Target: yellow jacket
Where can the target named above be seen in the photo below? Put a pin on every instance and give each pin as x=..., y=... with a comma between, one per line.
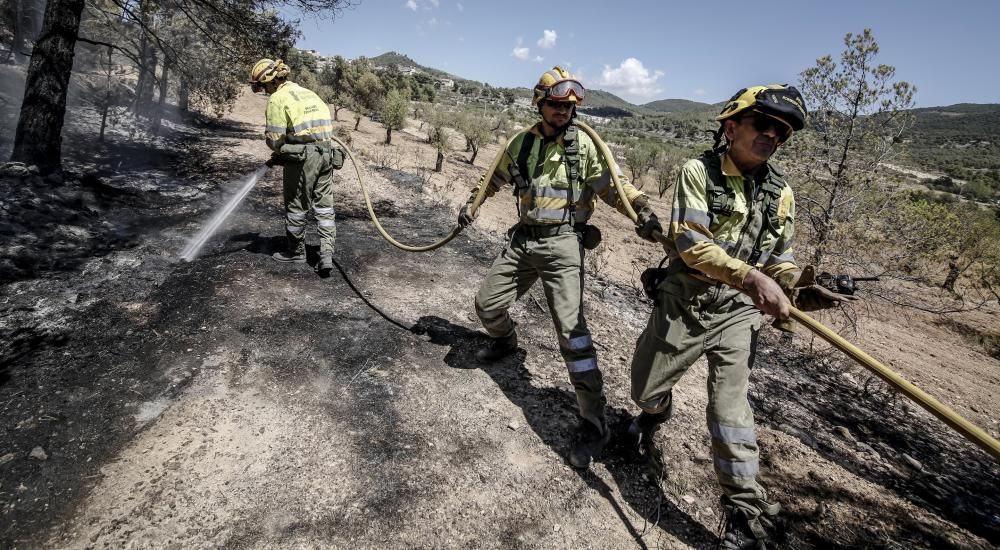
x=296, y=115
x=546, y=199
x=719, y=244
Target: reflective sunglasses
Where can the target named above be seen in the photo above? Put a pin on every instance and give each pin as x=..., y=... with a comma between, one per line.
x=762, y=123
x=564, y=88
x=559, y=105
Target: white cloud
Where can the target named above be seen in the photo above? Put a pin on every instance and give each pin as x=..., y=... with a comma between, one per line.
x=521, y=53
x=437, y=3
x=412, y=4
x=460, y=6
x=432, y=21
x=632, y=78
x=700, y=92
x=539, y=59
x=547, y=40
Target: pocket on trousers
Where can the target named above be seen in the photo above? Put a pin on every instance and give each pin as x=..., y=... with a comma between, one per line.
x=292, y=153
x=337, y=158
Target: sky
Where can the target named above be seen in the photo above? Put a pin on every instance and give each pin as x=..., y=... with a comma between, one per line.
x=702, y=51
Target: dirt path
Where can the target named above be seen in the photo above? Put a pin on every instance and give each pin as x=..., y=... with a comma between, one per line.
x=233, y=401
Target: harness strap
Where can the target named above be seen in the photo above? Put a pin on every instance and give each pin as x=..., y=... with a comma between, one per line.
x=572, y=158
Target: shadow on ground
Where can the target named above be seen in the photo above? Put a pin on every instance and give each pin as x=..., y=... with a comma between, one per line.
x=646, y=499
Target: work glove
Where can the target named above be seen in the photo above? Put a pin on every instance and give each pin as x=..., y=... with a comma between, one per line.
x=647, y=224
x=807, y=295
x=465, y=219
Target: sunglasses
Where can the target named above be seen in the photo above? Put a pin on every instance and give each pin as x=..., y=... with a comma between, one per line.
x=559, y=105
x=256, y=87
x=564, y=88
x=762, y=123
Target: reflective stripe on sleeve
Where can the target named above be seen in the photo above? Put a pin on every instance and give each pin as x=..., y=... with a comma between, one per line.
x=295, y=216
x=295, y=229
x=691, y=215
x=324, y=210
x=326, y=223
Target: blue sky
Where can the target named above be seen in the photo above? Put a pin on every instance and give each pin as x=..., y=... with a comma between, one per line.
x=703, y=51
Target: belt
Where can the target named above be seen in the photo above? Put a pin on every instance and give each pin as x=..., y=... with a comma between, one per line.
x=536, y=231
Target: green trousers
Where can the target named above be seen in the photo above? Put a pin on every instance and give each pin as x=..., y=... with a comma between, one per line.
x=558, y=261
x=309, y=185
x=690, y=319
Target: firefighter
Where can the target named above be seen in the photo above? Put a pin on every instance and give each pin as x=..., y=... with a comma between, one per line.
x=299, y=131
x=557, y=175
x=732, y=221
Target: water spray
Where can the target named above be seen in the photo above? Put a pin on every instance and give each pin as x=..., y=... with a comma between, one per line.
x=198, y=241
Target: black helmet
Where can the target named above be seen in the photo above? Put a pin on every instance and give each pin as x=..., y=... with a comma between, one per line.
x=777, y=100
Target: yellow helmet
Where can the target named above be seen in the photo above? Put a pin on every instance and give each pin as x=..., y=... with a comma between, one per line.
x=778, y=101
x=559, y=85
x=267, y=70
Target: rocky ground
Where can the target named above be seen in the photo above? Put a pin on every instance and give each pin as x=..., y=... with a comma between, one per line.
x=234, y=401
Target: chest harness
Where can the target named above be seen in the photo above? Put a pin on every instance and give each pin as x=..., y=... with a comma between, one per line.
x=519, y=168
x=721, y=200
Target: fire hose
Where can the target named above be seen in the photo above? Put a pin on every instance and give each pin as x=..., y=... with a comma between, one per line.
x=964, y=427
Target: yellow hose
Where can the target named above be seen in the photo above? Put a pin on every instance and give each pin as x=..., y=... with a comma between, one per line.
x=968, y=430
x=417, y=248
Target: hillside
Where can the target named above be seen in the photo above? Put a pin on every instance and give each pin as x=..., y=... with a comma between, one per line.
x=961, y=141
x=678, y=106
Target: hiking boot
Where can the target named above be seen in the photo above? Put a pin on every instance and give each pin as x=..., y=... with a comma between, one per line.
x=325, y=265
x=289, y=257
x=498, y=348
x=641, y=431
x=589, y=442
x=741, y=531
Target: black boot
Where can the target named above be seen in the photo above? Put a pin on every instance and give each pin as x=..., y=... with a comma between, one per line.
x=325, y=265
x=743, y=531
x=297, y=256
x=498, y=348
x=590, y=441
x=641, y=431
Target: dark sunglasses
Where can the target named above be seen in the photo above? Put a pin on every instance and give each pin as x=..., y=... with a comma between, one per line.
x=559, y=104
x=763, y=123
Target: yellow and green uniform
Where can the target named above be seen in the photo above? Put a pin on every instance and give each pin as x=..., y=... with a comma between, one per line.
x=723, y=224
x=298, y=130
x=545, y=245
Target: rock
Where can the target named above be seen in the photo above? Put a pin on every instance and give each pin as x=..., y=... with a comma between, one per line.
x=38, y=453
x=912, y=462
x=688, y=499
x=7, y=458
x=844, y=433
x=513, y=425
x=55, y=178
x=15, y=169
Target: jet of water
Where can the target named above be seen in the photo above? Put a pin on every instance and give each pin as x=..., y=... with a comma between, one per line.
x=194, y=245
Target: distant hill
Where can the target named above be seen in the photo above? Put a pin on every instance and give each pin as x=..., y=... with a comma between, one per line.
x=961, y=140
x=676, y=106
x=401, y=60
